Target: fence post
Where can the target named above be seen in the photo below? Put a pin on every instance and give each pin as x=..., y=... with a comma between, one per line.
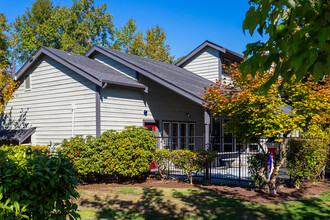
x=239, y=164
x=207, y=121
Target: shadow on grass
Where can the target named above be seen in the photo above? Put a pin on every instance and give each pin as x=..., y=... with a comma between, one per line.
x=206, y=204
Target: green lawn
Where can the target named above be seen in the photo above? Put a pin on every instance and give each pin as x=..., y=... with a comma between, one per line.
x=169, y=203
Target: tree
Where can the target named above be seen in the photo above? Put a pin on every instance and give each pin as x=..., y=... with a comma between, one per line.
x=74, y=28
x=4, y=62
x=256, y=115
x=35, y=28
x=155, y=47
x=7, y=88
x=128, y=39
x=299, y=40
x=84, y=25
x=152, y=45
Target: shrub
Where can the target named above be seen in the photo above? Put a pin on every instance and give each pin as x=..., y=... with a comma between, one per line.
x=162, y=160
x=81, y=151
x=190, y=161
x=307, y=159
x=118, y=154
x=36, y=185
x=128, y=153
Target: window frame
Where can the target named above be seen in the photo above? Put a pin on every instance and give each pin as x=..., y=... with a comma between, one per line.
x=179, y=137
x=27, y=77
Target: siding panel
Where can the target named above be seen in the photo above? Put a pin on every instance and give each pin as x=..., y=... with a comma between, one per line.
x=122, y=107
x=205, y=64
x=48, y=105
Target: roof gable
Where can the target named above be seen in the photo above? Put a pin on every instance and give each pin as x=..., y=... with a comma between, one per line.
x=90, y=69
x=206, y=44
x=174, y=78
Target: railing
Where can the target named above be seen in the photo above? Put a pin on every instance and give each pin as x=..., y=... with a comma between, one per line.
x=231, y=158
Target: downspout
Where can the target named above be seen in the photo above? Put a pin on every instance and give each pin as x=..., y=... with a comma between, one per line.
x=98, y=110
x=98, y=107
x=73, y=108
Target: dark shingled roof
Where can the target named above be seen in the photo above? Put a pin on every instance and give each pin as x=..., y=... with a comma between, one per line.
x=96, y=69
x=179, y=79
x=93, y=70
x=15, y=136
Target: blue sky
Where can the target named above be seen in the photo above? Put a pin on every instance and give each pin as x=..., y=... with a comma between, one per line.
x=186, y=23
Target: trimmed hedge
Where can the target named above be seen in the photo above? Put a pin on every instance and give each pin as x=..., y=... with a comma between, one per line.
x=125, y=154
x=35, y=184
x=307, y=159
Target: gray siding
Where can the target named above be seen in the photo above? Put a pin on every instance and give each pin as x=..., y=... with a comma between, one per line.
x=205, y=64
x=121, y=107
x=48, y=105
x=115, y=65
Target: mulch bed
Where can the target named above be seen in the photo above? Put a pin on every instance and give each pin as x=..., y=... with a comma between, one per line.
x=248, y=194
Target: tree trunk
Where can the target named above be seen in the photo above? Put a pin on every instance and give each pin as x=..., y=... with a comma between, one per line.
x=272, y=187
x=190, y=176
x=272, y=182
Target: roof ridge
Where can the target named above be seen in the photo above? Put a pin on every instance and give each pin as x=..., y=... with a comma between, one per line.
x=47, y=48
x=132, y=63
x=156, y=62
x=97, y=63
x=205, y=44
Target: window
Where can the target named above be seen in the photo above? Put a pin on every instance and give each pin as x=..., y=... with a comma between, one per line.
x=179, y=135
x=191, y=136
x=27, y=82
x=221, y=141
x=175, y=135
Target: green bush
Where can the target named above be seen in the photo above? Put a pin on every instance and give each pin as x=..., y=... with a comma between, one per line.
x=125, y=154
x=191, y=161
x=307, y=159
x=162, y=161
x=82, y=152
x=36, y=185
x=128, y=153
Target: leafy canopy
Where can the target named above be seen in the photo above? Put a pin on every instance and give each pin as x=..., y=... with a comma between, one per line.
x=299, y=39
x=78, y=28
x=256, y=114
x=7, y=88
x=151, y=45
x=74, y=28
x=4, y=28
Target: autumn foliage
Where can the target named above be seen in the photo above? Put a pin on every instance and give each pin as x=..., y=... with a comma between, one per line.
x=257, y=113
x=7, y=88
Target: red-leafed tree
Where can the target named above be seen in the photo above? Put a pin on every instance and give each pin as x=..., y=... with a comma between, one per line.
x=258, y=114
